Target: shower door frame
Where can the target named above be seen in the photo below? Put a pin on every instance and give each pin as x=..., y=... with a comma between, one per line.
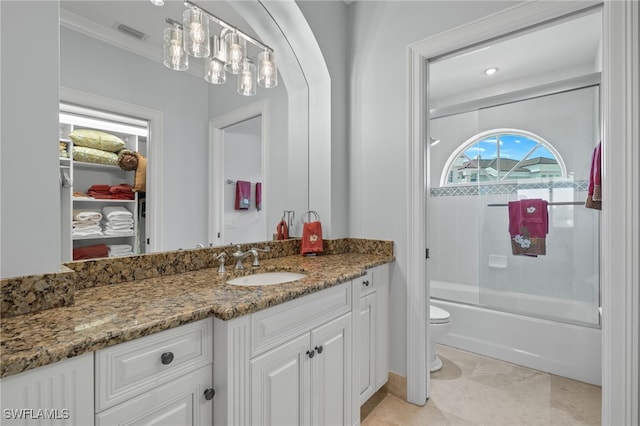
x=620, y=375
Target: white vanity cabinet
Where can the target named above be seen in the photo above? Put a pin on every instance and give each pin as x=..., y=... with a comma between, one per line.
x=373, y=352
x=164, y=378
x=289, y=364
x=56, y=394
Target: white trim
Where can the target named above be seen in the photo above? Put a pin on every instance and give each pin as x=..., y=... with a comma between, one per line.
x=216, y=162
x=503, y=22
x=154, y=153
x=418, y=378
x=621, y=189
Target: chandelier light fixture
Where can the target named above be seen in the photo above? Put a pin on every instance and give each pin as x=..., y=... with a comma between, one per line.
x=222, y=54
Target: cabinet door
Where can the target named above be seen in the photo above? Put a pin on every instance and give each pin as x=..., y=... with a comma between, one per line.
x=331, y=387
x=280, y=385
x=180, y=402
x=60, y=393
x=366, y=357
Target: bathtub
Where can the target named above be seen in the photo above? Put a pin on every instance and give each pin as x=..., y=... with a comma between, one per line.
x=569, y=349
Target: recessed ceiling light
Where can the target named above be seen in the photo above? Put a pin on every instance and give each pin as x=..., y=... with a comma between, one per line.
x=157, y=2
x=491, y=71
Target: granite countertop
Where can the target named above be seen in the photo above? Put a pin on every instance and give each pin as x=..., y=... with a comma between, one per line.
x=107, y=315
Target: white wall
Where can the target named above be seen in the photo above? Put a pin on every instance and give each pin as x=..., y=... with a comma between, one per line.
x=379, y=121
x=29, y=207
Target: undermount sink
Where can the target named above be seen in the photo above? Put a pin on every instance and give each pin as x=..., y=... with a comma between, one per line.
x=266, y=278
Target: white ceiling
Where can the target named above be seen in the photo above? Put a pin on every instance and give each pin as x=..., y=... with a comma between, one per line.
x=574, y=44
x=554, y=50
x=143, y=16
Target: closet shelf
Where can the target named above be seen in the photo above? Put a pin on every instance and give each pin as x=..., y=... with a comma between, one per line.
x=103, y=237
x=84, y=164
x=101, y=200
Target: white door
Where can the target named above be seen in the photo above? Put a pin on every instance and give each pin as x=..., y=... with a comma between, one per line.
x=243, y=162
x=280, y=385
x=331, y=373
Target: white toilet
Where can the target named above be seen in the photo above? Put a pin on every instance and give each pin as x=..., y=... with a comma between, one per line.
x=439, y=325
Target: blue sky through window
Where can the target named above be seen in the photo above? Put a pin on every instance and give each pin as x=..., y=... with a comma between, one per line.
x=512, y=146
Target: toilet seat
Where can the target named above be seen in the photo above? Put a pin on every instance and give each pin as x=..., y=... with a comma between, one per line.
x=438, y=315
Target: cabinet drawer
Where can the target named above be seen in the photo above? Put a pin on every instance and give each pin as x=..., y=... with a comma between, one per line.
x=129, y=369
x=367, y=283
x=179, y=402
x=281, y=323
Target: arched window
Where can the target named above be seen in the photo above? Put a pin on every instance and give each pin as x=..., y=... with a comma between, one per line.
x=503, y=155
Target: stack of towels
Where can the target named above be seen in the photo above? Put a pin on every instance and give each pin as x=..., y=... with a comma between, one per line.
x=117, y=221
x=122, y=191
x=86, y=223
x=118, y=250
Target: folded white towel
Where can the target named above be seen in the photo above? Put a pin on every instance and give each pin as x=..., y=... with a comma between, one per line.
x=111, y=212
x=118, y=222
x=121, y=254
x=81, y=224
x=120, y=247
x=118, y=250
x=87, y=215
x=119, y=232
x=117, y=226
x=86, y=233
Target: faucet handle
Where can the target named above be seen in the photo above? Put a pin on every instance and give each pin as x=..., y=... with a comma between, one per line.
x=221, y=257
x=265, y=249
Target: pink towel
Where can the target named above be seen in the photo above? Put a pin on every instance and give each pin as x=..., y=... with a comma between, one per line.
x=528, y=227
x=594, y=194
x=259, y=196
x=243, y=195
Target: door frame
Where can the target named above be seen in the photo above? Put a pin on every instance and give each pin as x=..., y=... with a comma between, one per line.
x=153, y=221
x=619, y=248
x=216, y=179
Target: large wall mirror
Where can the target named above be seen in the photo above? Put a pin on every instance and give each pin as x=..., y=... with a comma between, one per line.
x=99, y=57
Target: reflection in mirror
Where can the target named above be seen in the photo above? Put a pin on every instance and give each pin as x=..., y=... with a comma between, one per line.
x=101, y=61
x=525, y=130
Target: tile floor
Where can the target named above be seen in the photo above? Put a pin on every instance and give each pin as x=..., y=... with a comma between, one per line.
x=475, y=390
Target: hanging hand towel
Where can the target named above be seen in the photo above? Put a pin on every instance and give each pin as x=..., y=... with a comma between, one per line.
x=594, y=194
x=528, y=227
x=282, y=230
x=311, y=236
x=140, y=184
x=243, y=195
x=258, y=196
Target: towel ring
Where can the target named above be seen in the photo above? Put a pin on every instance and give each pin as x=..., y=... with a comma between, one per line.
x=309, y=213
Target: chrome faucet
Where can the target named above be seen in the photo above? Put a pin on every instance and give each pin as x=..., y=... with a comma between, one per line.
x=221, y=258
x=240, y=256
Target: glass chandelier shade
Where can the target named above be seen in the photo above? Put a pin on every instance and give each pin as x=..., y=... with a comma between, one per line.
x=196, y=33
x=214, y=65
x=174, y=55
x=236, y=49
x=267, y=69
x=247, y=78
